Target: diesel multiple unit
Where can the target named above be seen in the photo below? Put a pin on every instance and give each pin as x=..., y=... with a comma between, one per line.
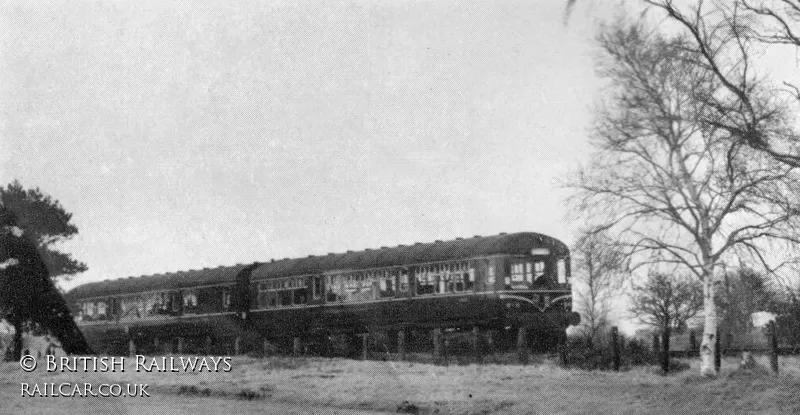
x=519, y=280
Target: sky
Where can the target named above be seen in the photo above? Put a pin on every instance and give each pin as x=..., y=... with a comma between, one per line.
x=188, y=135
x=184, y=135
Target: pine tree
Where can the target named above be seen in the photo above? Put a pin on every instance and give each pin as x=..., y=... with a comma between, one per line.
x=30, y=222
x=44, y=222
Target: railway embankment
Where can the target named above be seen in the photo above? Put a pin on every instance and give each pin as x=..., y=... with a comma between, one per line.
x=341, y=385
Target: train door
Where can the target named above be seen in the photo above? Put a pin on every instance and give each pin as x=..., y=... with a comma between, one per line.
x=318, y=287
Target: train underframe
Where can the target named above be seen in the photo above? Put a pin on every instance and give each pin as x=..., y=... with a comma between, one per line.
x=409, y=325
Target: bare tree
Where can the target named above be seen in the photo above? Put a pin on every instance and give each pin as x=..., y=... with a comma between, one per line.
x=728, y=36
x=666, y=303
x=673, y=188
x=599, y=270
x=743, y=292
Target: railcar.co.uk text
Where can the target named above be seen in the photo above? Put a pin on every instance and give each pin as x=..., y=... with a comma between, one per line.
x=99, y=364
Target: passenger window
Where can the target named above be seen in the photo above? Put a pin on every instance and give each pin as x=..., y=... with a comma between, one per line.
x=318, y=287
x=263, y=294
x=226, y=297
x=538, y=269
x=404, y=281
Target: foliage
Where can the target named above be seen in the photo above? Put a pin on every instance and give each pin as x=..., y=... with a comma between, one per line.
x=742, y=293
x=788, y=321
x=633, y=352
x=667, y=302
x=667, y=180
x=45, y=222
x=29, y=297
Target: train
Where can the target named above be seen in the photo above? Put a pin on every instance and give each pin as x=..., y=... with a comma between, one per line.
x=500, y=283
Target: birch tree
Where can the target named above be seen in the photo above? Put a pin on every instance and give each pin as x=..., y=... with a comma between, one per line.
x=674, y=188
x=729, y=37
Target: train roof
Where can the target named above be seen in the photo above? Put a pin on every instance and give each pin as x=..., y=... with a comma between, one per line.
x=516, y=243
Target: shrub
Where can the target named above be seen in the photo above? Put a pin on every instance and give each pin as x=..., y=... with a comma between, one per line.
x=635, y=353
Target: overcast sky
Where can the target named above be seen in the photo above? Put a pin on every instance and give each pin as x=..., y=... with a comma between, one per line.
x=184, y=136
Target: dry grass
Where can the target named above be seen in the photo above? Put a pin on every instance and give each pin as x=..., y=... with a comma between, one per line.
x=338, y=384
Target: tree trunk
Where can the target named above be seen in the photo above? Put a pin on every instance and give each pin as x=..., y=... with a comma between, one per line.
x=665, y=350
x=708, y=346
x=615, y=347
x=16, y=343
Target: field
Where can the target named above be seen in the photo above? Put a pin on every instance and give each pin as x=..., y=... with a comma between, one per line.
x=339, y=386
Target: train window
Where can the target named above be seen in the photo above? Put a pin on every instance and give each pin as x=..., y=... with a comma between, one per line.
x=88, y=310
x=130, y=307
x=335, y=289
x=490, y=278
x=189, y=301
x=538, y=269
x=518, y=273
x=426, y=281
x=562, y=271
x=404, y=281
x=285, y=298
x=176, y=300
x=263, y=294
x=151, y=304
x=318, y=289
x=458, y=282
x=523, y=274
x=469, y=280
x=300, y=296
x=226, y=297
x=387, y=284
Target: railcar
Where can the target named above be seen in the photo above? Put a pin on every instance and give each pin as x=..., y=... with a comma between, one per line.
x=501, y=281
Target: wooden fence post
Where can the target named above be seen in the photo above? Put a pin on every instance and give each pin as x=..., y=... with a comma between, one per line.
x=656, y=343
x=131, y=345
x=665, y=350
x=364, y=346
x=615, y=345
x=476, y=344
x=296, y=347
x=773, y=334
x=437, y=345
x=522, y=345
x=718, y=353
x=401, y=343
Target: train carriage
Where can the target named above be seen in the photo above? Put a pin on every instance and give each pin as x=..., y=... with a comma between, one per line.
x=500, y=281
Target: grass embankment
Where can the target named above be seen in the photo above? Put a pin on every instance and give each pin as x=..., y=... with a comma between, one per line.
x=339, y=384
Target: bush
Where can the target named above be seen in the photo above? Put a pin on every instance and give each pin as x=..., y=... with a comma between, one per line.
x=635, y=353
x=583, y=356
